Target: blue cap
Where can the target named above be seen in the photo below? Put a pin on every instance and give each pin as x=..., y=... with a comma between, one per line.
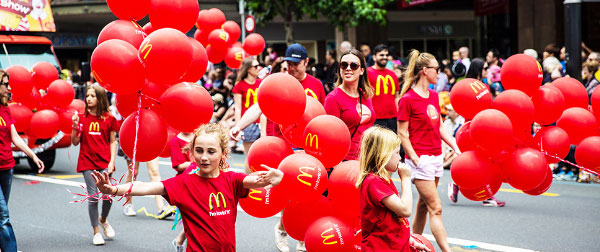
x=295, y=53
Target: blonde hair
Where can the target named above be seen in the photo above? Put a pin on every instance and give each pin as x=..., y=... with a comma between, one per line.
x=417, y=61
x=377, y=146
x=221, y=134
x=364, y=88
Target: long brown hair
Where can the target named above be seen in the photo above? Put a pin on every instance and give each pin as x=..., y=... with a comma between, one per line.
x=243, y=73
x=364, y=88
x=417, y=61
x=3, y=100
x=102, y=101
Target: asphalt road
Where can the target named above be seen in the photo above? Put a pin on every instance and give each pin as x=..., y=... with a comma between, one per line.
x=44, y=219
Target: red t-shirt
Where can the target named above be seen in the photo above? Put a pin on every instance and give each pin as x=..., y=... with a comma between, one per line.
x=347, y=108
x=248, y=92
x=94, y=153
x=385, y=85
x=177, y=155
x=423, y=116
x=382, y=229
x=208, y=207
x=313, y=88
x=7, y=161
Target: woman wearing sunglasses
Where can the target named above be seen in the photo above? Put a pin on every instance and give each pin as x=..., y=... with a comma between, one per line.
x=351, y=99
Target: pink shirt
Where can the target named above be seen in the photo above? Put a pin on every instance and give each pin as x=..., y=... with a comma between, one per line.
x=423, y=116
x=347, y=108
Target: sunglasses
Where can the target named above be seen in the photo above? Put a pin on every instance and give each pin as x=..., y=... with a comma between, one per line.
x=255, y=66
x=383, y=55
x=353, y=65
x=437, y=69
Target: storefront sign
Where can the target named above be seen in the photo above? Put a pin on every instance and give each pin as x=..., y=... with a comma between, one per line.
x=411, y=3
x=73, y=40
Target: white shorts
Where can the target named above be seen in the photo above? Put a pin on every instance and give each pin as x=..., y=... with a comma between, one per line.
x=429, y=167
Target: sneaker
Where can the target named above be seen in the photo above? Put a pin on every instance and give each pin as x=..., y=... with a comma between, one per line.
x=560, y=175
x=570, y=176
x=300, y=247
x=281, y=240
x=177, y=247
x=98, y=240
x=166, y=212
x=109, y=232
x=452, y=192
x=128, y=210
x=493, y=202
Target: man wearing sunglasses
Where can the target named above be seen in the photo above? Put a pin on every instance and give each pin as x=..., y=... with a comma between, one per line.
x=385, y=85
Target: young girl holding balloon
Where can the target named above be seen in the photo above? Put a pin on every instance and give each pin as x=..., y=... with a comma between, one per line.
x=208, y=195
x=384, y=211
x=96, y=130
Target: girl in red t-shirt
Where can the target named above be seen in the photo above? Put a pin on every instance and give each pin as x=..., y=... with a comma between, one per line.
x=96, y=131
x=208, y=195
x=384, y=212
x=180, y=160
x=421, y=130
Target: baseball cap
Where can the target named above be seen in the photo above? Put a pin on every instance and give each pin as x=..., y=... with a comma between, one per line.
x=295, y=53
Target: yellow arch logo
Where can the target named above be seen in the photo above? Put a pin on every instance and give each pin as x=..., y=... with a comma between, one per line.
x=2, y=122
x=146, y=48
x=254, y=191
x=303, y=173
x=477, y=86
x=250, y=93
x=386, y=81
x=310, y=138
x=94, y=127
x=327, y=237
x=216, y=198
x=309, y=92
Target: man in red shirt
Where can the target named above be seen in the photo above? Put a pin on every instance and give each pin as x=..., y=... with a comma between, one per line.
x=297, y=59
x=387, y=91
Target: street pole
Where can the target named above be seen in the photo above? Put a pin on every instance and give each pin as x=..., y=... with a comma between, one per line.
x=243, y=23
x=573, y=37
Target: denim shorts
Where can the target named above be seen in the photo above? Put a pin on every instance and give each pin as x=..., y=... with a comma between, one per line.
x=251, y=133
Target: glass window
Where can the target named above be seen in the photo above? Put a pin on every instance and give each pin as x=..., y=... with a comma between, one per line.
x=438, y=48
x=26, y=55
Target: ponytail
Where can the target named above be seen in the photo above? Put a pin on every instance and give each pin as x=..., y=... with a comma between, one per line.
x=416, y=62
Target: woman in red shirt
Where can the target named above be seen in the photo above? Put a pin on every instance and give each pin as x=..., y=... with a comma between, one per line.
x=384, y=212
x=208, y=195
x=421, y=130
x=96, y=131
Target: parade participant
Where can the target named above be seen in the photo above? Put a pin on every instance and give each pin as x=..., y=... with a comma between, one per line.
x=297, y=60
x=387, y=89
x=180, y=161
x=421, y=131
x=244, y=96
x=207, y=195
x=96, y=131
x=384, y=211
x=8, y=135
x=351, y=99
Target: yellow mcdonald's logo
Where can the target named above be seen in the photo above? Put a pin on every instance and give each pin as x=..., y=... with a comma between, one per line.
x=327, y=237
x=146, y=48
x=223, y=35
x=250, y=92
x=97, y=77
x=95, y=126
x=216, y=198
x=539, y=67
x=481, y=195
x=2, y=122
x=310, y=138
x=309, y=92
x=477, y=86
x=136, y=25
x=303, y=173
x=239, y=56
x=254, y=191
x=386, y=81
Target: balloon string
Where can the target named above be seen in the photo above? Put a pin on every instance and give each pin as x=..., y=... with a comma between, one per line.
x=566, y=161
x=134, y=158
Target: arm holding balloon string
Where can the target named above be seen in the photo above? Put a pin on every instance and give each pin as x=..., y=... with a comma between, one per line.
x=252, y=114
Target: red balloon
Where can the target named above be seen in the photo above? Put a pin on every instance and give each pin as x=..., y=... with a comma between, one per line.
x=521, y=72
x=463, y=138
x=237, y=44
x=210, y=19
x=115, y=65
x=218, y=39
x=482, y=193
x=171, y=133
x=154, y=90
x=527, y=169
x=472, y=169
x=298, y=215
x=22, y=116
x=543, y=187
x=128, y=103
x=166, y=55
x=277, y=89
x=128, y=31
x=194, y=98
x=587, y=153
x=199, y=63
x=176, y=14
x=233, y=29
x=554, y=141
x=77, y=105
x=44, y=124
x=202, y=36
x=595, y=101
x=423, y=240
x=578, y=123
x=491, y=131
x=20, y=79
x=148, y=28
x=31, y=100
x=66, y=121
x=295, y=132
x=344, y=195
x=329, y=234
x=215, y=55
x=549, y=104
x=60, y=93
x=267, y=150
x=518, y=105
x=574, y=92
x=234, y=57
x=263, y=203
x=327, y=138
x=43, y=73
x=130, y=9
x=470, y=96
x=254, y=44
x=151, y=136
x=304, y=178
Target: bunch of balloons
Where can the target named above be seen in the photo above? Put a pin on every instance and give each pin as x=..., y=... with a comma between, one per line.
x=497, y=143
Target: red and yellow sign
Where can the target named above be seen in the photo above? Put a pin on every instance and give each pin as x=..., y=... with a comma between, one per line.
x=26, y=15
